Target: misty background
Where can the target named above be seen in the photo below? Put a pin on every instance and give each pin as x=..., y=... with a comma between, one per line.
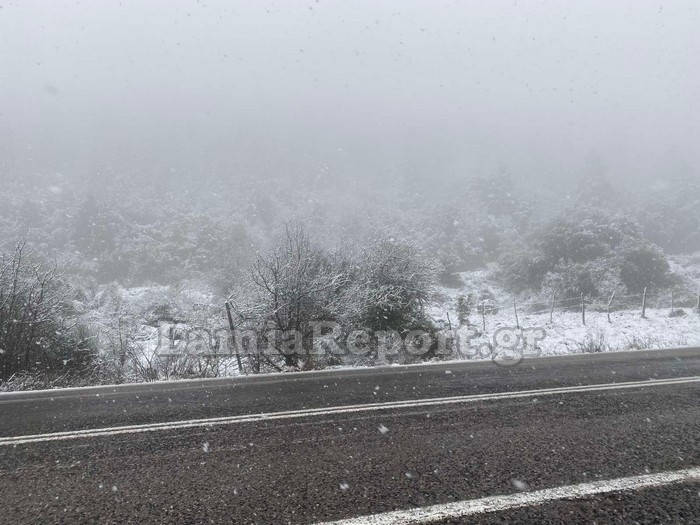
x=364, y=91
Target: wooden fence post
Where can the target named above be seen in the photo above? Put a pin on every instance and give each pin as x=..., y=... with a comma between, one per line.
x=697, y=306
x=583, y=309
x=644, y=304
x=673, y=302
x=517, y=321
x=483, y=316
x=233, y=336
x=612, y=298
x=551, y=311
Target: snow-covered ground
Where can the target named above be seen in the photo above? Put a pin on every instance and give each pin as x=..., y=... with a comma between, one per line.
x=137, y=318
x=626, y=331
x=566, y=333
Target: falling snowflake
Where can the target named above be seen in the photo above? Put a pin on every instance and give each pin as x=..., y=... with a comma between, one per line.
x=519, y=484
x=344, y=487
x=205, y=447
x=383, y=429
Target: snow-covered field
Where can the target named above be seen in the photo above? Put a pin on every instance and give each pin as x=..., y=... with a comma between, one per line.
x=566, y=333
x=129, y=326
x=626, y=331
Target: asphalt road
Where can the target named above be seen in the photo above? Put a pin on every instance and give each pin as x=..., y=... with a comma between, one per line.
x=396, y=451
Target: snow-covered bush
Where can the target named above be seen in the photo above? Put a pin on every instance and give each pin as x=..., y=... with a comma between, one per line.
x=593, y=344
x=34, y=332
x=465, y=304
x=642, y=265
x=382, y=286
x=392, y=286
x=587, y=251
x=290, y=287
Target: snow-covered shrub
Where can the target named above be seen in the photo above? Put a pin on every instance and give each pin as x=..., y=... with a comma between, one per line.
x=34, y=329
x=642, y=265
x=571, y=280
x=522, y=268
x=393, y=284
x=382, y=286
x=587, y=251
x=642, y=343
x=465, y=304
x=593, y=344
x=290, y=287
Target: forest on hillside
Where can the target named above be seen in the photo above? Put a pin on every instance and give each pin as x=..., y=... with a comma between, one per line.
x=85, y=269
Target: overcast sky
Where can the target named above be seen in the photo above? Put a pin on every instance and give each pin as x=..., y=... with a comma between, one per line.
x=419, y=85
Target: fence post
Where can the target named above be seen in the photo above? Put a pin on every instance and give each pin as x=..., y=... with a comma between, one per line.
x=583, y=309
x=673, y=302
x=483, y=316
x=612, y=298
x=697, y=306
x=517, y=321
x=551, y=311
x=233, y=331
x=644, y=304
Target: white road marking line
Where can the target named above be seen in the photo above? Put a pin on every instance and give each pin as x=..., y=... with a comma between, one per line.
x=437, y=513
x=175, y=425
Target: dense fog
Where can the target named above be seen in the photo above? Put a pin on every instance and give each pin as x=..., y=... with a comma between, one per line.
x=155, y=147
x=361, y=90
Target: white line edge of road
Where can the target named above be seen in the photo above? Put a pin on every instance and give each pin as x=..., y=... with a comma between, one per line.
x=328, y=371
x=460, y=509
x=292, y=414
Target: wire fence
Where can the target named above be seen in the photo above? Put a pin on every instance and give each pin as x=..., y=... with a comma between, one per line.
x=677, y=302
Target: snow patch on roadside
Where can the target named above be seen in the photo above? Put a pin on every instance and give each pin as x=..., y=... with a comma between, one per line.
x=566, y=333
